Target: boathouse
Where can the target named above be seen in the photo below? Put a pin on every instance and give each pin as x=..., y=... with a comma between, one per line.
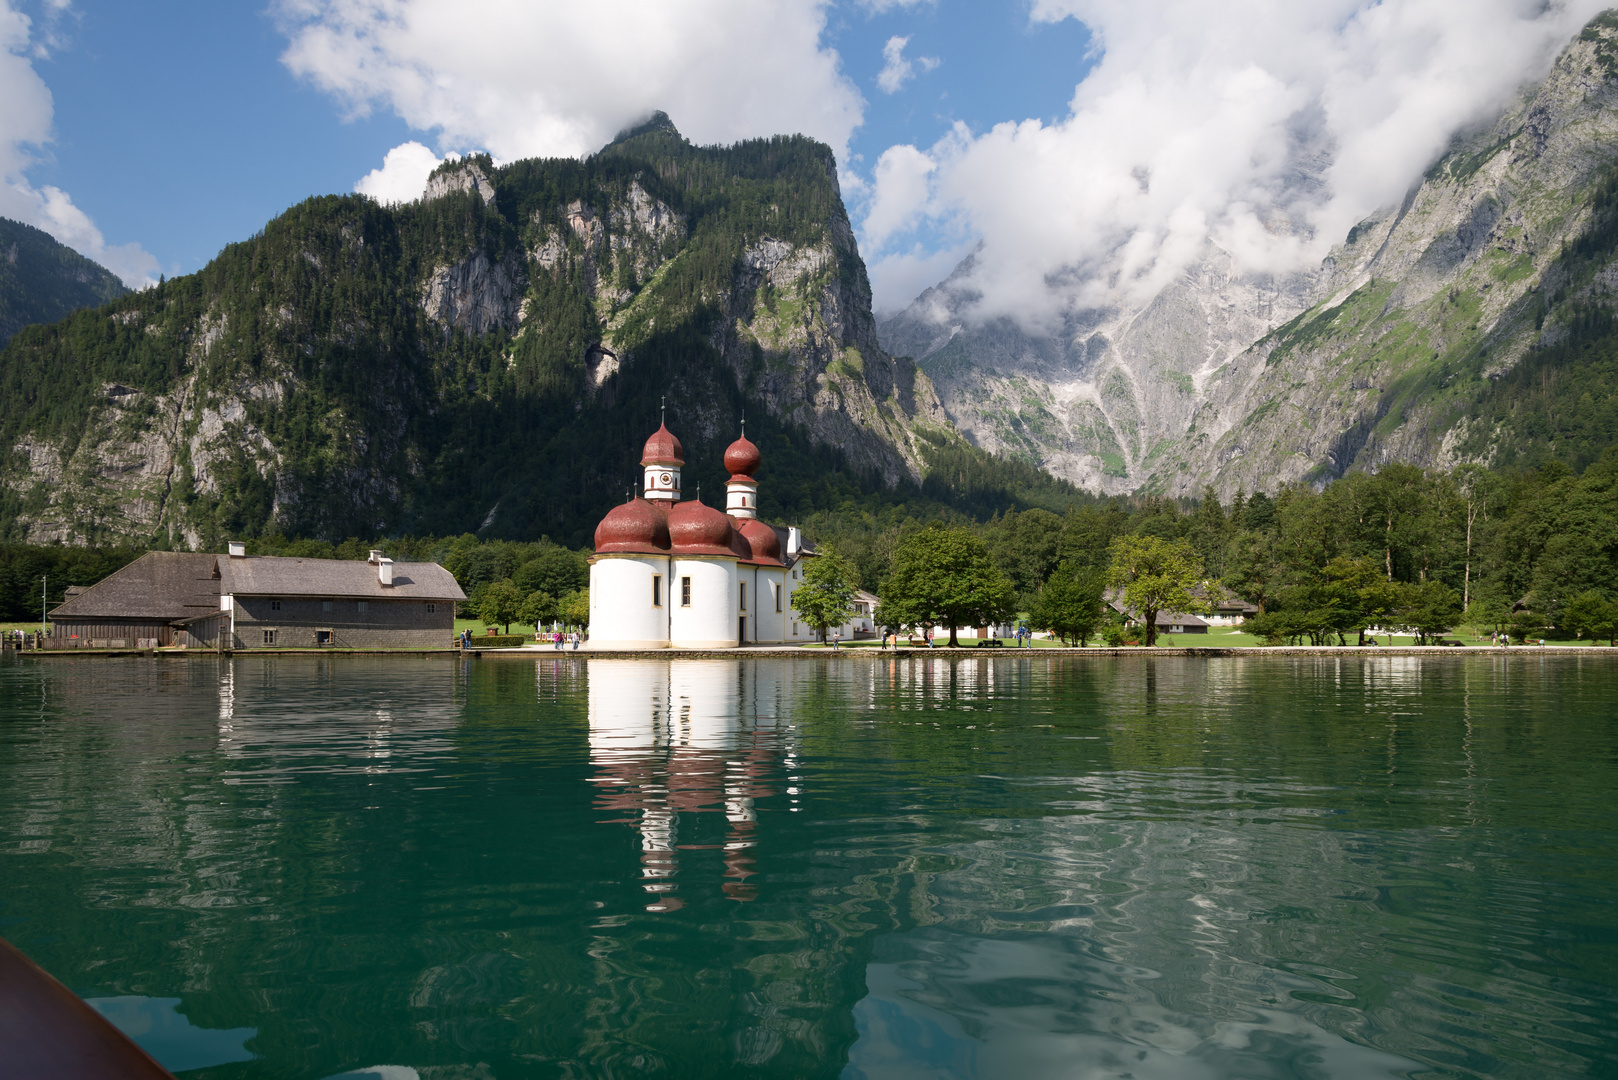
x=168, y=598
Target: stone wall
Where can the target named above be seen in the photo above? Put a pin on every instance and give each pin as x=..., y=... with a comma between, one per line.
x=382, y=624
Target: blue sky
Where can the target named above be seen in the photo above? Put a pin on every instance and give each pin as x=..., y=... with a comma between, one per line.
x=1088, y=150
x=177, y=127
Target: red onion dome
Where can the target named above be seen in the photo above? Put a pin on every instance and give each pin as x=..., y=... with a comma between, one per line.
x=762, y=543
x=741, y=459
x=636, y=526
x=698, y=529
x=662, y=449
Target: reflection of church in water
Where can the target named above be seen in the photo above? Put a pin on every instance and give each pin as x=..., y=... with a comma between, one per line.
x=670, y=740
x=670, y=572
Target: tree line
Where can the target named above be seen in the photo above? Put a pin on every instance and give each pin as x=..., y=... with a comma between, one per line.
x=1531, y=553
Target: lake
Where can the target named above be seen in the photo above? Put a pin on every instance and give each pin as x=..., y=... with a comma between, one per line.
x=855, y=866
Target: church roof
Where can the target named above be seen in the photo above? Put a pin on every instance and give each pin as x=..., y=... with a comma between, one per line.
x=662, y=449
x=638, y=526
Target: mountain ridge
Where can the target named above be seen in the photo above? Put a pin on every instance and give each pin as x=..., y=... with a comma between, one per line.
x=1242, y=381
x=42, y=280
x=358, y=368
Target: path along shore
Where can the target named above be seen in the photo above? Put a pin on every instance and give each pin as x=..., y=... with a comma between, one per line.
x=795, y=652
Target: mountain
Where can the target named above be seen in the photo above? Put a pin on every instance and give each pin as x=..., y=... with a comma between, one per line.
x=487, y=358
x=42, y=280
x=1472, y=322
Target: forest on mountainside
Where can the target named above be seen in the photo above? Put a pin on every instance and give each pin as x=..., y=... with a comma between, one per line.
x=42, y=280
x=305, y=384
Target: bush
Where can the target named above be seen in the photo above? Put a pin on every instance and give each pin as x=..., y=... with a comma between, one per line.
x=499, y=641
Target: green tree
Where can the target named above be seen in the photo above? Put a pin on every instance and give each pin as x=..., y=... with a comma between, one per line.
x=945, y=577
x=555, y=570
x=1070, y=605
x=1592, y=615
x=825, y=595
x=576, y=608
x=1428, y=610
x=537, y=607
x=498, y=602
x=1154, y=575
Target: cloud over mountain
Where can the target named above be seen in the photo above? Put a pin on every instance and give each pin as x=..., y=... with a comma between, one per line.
x=1268, y=127
x=25, y=125
x=560, y=79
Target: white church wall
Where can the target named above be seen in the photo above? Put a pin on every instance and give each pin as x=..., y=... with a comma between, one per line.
x=708, y=621
x=622, y=612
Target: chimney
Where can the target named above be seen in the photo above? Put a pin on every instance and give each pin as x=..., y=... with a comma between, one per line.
x=238, y=549
x=794, y=541
x=384, y=571
x=376, y=557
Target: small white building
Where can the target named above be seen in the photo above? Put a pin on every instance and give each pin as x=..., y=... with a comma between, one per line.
x=672, y=573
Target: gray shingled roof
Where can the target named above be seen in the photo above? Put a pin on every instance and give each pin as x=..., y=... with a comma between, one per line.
x=269, y=575
x=168, y=585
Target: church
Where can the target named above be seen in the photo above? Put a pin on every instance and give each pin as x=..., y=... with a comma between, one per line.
x=675, y=573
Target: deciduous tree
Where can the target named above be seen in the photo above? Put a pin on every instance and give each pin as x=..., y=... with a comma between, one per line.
x=825, y=596
x=1155, y=575
x=944, y=577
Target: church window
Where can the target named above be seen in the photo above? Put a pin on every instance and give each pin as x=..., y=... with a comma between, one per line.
x=775, y=589
x=657, y=590
x=685, y=592
x=744, y=596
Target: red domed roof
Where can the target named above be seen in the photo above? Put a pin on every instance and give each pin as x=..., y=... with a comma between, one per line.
x=741, y=459
x=637, y=526
x=698, y=529
x=662, y=449
x=762, y=543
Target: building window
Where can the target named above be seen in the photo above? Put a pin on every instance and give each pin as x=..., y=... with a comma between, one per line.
x=775, y=588
x=363, y=606
x=431, y=608
x=275, y=605
x=685, y=592
x=657, y=590
x=325, y=605
x=794, y=629
x=269, y=637
x=744, y=596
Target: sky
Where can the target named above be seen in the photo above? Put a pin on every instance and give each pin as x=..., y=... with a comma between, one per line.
x=1084, y=150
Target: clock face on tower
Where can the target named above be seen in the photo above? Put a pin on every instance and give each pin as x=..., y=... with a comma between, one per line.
x=667, y=479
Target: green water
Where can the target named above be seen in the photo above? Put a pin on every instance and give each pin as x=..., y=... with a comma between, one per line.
x=1017, y=867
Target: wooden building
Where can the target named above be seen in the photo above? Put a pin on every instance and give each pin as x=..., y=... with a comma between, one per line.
x=196, y=600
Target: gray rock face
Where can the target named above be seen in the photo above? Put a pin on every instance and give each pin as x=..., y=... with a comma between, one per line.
x=468, y=177
x=1253, y=381
x=473, y=295
x=1105, y=397
x=1425, y=302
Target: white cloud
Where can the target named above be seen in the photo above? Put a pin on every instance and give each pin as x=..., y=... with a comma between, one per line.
x=403, y=175
x=25, y=122
x=1267, y=126
x=898, y=196
x=521, y=78
x=896, y=69
x=898, y=278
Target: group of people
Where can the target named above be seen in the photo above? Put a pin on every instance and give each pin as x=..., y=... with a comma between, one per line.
x=558, y=639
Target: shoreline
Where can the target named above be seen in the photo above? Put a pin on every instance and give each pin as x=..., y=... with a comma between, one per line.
x=799, y=652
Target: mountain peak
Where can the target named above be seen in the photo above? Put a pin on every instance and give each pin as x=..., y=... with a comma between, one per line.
x=658, y=122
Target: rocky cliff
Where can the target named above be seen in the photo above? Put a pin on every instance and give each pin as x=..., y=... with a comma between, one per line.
x=1399, y=347
x=489, y=357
